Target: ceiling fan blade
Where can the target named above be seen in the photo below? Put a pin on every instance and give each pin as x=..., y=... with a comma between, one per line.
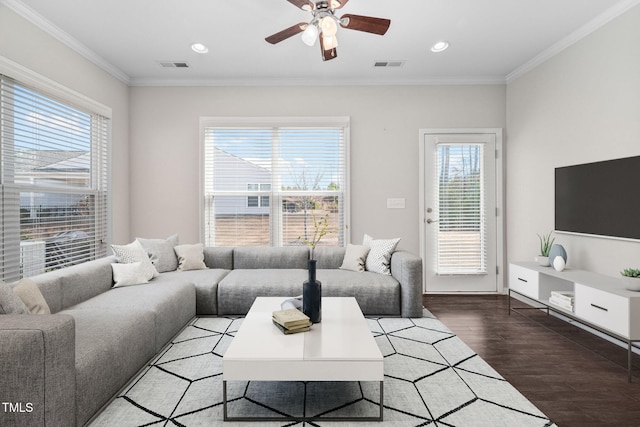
x=367, y=24
x=327, y=55
x=286, y=33
x=303, y=4
x=338, y=4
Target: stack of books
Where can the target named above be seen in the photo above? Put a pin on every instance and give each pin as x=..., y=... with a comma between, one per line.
x=291, y=321
x=562, y=299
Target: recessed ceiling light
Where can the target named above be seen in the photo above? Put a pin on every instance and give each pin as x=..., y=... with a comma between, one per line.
x=199, y=48
x=439, y=47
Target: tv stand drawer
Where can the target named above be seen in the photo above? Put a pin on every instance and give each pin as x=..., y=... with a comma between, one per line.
x=602, y=309
x=524, y=281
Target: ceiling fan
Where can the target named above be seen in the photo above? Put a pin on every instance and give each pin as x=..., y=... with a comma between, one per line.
x=324, y=25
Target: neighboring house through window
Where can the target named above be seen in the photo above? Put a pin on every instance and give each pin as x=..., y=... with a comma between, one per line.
x=53, y=180
x=266, y=180
x=258, y=201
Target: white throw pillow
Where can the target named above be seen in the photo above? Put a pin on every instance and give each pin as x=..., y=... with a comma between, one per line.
x=134, y=252
x=30, y=294
x=190, y=257
x=379, y=257
x=129, y=274
x=161, y=252
x=355, y=257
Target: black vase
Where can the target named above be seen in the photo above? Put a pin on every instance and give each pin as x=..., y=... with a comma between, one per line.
x=312, y=295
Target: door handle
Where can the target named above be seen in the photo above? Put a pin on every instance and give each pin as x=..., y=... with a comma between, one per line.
x=431, y=221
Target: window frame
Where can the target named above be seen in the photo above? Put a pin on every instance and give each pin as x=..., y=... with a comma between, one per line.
x=100, y=179
x=275, y=201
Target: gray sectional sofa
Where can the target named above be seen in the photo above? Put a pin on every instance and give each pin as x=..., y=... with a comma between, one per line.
x=68, y=364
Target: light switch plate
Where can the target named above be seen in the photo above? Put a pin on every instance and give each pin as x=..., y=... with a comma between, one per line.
x=395, y=203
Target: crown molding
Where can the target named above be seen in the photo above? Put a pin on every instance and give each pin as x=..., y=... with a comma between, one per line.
x=449, y=81
x=572, y=38
x=65, y=38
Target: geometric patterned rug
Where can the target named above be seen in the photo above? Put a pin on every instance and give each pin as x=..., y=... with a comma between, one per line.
x=431, y=378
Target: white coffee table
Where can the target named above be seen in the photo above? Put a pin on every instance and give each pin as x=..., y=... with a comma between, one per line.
x=340, y=348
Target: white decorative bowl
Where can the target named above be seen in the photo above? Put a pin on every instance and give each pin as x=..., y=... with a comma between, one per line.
x=632, y=283
x=542, y=260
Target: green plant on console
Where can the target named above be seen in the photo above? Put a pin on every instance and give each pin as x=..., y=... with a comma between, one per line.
x=545, y=244
x=631, y=272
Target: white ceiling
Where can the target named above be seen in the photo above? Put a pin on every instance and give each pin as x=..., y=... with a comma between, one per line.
x=491, y=40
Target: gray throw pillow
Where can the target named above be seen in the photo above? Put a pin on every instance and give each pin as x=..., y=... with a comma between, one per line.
x=161, y=252
x=30, y=294
x=355, y=257
x=10, y=303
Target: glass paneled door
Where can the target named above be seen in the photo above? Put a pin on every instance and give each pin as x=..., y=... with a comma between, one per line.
x=460, y=212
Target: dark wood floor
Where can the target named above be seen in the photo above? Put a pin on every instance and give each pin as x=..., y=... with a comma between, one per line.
x=574, y=377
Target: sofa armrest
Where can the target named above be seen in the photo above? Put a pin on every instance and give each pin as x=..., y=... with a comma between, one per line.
x=406, y=268
x=37, y=370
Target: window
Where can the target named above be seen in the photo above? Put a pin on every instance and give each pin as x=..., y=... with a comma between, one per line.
x=461, y=233
x=269, y=181
x=53, y=181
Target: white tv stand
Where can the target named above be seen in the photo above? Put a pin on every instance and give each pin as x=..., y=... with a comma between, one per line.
x=600, y=302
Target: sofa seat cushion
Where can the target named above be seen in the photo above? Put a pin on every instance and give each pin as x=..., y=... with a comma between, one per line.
x=376, y=294
x=329, y=256
x=111, y=346
x=219, y=257
x=72, y=285
x=173, y=304
x=50, y=285
x=206, y=283
x=265, y=257
x=238, y=290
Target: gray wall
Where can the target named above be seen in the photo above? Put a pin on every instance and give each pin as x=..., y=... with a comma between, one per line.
x=580, y=106
x=385, y=121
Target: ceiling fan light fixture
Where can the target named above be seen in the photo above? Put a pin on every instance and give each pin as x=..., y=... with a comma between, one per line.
x=329, y=42
x=324, y=25
x=329, y=26
x=310, y=35
x=199, y=48
x=440, y=46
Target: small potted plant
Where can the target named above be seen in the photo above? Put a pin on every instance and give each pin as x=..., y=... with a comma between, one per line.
x=545, y=246
x=631, y=277
x=320, y=229
x=312, y=288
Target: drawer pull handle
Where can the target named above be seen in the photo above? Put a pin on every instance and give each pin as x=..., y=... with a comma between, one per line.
x=522, y=280
x=598, y=307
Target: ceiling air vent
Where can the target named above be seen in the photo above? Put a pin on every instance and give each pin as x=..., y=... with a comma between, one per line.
x=388, y=64
x=173, y=64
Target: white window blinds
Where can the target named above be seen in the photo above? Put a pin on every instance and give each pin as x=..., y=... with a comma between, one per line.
x=271, y=182
x=461, y=228
x=54, y=182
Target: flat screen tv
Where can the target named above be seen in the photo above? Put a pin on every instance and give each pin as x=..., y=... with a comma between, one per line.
x=601, y=198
